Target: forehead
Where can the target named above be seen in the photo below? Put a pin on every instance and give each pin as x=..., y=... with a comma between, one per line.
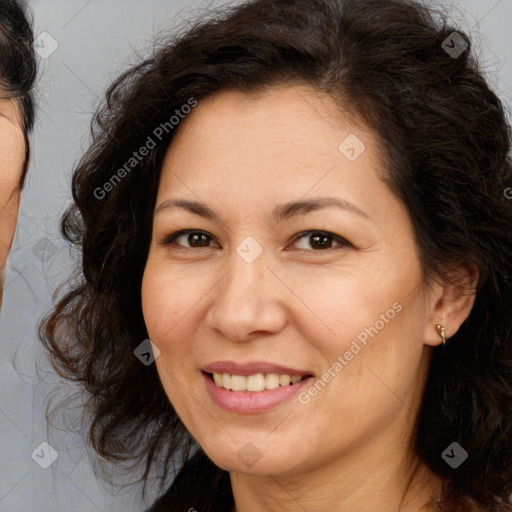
x=277, y=107
x=289, y=122
x=286, y=133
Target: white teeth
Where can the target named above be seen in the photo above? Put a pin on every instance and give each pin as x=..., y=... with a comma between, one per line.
x=284, y=380
x=272, y=381
x=238, y=383
x=254, y=383
x=226, y=380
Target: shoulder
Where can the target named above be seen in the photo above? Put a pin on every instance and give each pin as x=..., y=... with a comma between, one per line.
x=198, y=481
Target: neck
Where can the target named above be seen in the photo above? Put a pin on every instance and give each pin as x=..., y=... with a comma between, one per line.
x=382, y=484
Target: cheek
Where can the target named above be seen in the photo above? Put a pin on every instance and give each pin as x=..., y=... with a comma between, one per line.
x=382, y=353
x=374, y=320
x=169, y=299
x=170, y=304
x=12, y=151
x=8, y=217
x=335, y=306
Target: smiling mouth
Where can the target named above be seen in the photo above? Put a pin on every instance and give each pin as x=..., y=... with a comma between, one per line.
x=254, y=383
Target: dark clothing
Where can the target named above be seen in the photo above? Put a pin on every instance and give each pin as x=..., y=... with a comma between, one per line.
x=199, y=486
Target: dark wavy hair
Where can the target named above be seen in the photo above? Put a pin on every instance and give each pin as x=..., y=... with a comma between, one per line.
x=18, y=65
x=445, y=141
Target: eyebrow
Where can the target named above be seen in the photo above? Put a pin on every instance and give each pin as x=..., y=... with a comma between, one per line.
x=279, y=214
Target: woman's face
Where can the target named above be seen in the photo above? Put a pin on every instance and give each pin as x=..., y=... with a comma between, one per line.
x=300, y=262
x=12, y=151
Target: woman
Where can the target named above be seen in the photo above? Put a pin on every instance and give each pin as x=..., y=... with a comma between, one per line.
x=301, y=204
x=17, y=75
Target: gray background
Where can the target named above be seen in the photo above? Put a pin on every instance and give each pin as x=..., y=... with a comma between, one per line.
x=96, y=40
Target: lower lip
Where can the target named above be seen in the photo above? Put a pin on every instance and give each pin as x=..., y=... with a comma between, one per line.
x=251, y=402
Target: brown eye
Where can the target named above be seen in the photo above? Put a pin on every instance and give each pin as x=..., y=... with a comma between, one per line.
x=197, y=239
x=189, y=239
x=320, y=241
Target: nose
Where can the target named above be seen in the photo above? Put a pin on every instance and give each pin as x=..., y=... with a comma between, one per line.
x=248, y=302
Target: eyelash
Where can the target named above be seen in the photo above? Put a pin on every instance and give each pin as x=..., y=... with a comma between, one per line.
x=342, y=242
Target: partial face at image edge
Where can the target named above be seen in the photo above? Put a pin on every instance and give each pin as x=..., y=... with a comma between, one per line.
x=12, y=152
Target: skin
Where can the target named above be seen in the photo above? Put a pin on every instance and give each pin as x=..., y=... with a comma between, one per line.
x=349, y=448
x=12, y=149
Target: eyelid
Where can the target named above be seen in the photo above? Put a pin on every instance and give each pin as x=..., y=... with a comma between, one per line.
x=341, y=241
x=170, y=238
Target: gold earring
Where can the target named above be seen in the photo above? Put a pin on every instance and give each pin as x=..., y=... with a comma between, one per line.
x=442, y=332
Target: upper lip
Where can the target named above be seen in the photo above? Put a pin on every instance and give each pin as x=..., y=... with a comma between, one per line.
x=252, y=368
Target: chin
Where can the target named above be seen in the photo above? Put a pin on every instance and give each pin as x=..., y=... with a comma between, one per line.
x=250, y=460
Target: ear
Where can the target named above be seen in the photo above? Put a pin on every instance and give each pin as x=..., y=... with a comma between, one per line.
x=451, y=302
